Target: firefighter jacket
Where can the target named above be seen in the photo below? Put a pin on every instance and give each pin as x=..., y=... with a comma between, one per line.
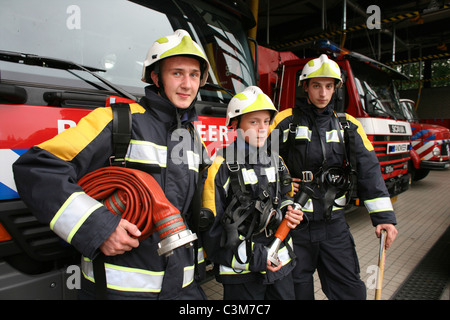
x=47, y=174
x=247, y=262
x=304, y=151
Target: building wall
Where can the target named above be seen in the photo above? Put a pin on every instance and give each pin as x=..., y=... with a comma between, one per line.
x=434, y=104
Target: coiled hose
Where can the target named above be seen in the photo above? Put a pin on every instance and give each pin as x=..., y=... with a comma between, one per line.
x=137, y=197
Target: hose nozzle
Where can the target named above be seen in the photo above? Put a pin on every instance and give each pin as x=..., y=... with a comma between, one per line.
x=182, y=238
x=272, y=252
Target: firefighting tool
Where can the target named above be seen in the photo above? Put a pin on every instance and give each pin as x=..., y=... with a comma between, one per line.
x=381, y=261
x=138, y=198
x=283, y=230
x=245, y=217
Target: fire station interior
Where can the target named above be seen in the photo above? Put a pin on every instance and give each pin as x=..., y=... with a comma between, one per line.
x=410, y=36
x=397, y=33
x=406, y=32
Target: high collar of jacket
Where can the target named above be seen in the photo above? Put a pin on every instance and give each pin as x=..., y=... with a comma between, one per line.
x=252, y=154
x=163, y=109
x=309, y=108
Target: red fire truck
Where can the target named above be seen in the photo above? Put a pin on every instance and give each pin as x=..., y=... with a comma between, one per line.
x=430, y=144
x=61, y=59
x=368, y=94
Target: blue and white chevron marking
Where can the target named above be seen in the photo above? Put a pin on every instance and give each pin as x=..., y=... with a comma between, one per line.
x=8, y=188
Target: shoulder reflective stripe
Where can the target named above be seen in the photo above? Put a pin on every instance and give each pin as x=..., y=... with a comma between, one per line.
x=72, y=214
x=332, y=136
x=151, y=153
x=147, y=152
x=270, y=173
x=249, y=176
x=193, y=160
x=303, y=133
x=378, y=204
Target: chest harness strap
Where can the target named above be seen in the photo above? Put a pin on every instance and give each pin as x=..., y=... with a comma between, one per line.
x=245, y=217
x=335, y=180
x=136, y=196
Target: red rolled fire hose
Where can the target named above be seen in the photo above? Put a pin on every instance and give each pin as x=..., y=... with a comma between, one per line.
x=137, y=197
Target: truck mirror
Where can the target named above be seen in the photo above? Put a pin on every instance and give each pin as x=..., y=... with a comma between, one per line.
x=368, y=100
x=340, y=100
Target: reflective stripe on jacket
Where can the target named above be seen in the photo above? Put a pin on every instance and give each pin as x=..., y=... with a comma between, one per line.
x=134, y=279
x=217, y=195
x=307, y=155
x=47, y=174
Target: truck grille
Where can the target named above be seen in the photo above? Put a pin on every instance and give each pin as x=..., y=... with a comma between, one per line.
x=393, y=162
x=30, y=236
x=444, y=149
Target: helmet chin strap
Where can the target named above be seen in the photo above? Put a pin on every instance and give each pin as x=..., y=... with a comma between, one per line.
x=310, y=102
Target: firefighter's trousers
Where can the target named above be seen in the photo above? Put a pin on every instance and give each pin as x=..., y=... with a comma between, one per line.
x=329, y=248
x=255, y=290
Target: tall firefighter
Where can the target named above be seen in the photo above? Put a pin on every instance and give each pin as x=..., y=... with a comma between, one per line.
x=161, y=123
x=329, y=156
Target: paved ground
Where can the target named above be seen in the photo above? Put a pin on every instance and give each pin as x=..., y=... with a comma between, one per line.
x=423, y=215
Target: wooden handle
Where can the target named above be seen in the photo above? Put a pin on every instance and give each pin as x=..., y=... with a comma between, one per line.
x=381, y=261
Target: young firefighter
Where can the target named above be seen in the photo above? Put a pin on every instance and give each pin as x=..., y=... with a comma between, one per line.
x=244, y=191
x=313, y=147
x=47, y=176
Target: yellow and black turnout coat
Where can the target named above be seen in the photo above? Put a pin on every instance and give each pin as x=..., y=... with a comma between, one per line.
x=313, y=144
x=47, y=174
x=239, y=265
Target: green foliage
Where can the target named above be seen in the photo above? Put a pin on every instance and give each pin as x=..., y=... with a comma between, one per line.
x=440, y=74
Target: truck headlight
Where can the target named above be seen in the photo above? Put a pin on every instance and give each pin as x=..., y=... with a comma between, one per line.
x=436, y=152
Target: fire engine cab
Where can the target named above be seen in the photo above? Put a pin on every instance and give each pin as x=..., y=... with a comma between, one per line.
x=430, y=144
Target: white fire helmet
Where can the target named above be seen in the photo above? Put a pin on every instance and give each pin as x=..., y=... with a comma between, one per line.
x=249, y=100
x=179, y=43
x=321, y=67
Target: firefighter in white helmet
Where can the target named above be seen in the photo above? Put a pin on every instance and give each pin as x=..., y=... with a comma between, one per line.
x=329, y=157
x=175, y=68
x=247, y=190
x=181, y=49
x=321, y=67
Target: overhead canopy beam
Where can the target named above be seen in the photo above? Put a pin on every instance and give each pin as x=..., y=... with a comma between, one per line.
x=329, y=35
